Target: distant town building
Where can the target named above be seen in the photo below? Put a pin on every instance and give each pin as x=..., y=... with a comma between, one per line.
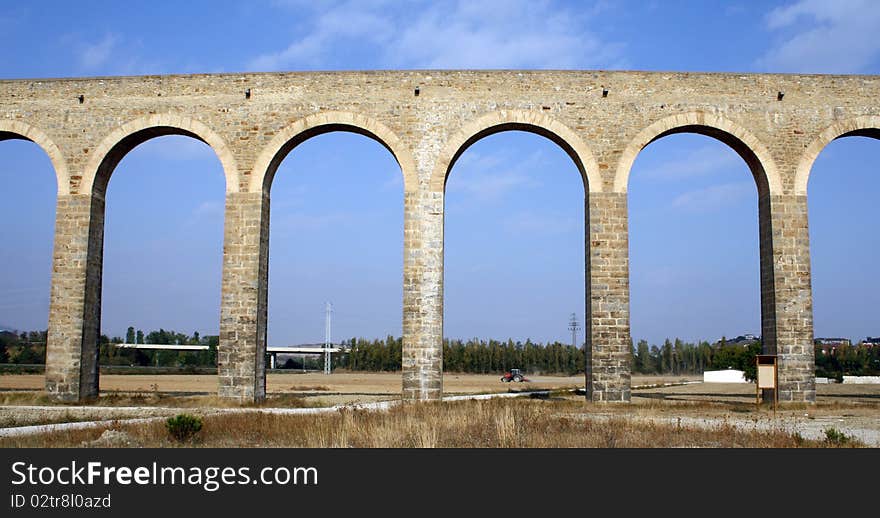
x=871, y=341
x=833, y=341
x=830, y=345
x=279, y=359
x=743, y=340
x=724, y=376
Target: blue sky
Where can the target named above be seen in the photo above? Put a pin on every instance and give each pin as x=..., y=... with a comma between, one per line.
x=514, y=223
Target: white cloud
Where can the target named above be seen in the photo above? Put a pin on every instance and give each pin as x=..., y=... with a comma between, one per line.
x=293, y=197
x=393, y=183
x=497, y=35
x=489, y=187
x=336, y=25
x=95, y=55
x=451, y=34
x=208, y=208
x=490, y=177
x=111, y=54
x=819, y=36
x=698, y=162
x=714, y=197
x=178, y=147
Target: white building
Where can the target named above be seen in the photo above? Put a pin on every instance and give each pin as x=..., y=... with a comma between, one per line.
x=725, y=376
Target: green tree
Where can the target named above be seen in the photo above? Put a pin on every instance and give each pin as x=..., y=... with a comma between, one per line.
x=666, y=357
x=748, y=362
x=6, y=341
x=643, y=358
x=28, y=355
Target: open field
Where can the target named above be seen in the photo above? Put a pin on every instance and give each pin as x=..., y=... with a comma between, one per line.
x=378, y=383
x=314, y=383
x=504, y=423
x=656, y=411
x=128, y=395
x=745, y=393
x=309, y=389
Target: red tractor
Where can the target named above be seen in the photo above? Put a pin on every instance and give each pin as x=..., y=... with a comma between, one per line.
x=514, y=375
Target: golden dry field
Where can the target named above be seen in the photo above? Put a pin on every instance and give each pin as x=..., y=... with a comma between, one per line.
x=660, y=406
x=367, y=382
x=349, y=387
x=320, y=389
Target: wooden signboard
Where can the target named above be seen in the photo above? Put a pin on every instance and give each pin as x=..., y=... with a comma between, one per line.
x=768, y=378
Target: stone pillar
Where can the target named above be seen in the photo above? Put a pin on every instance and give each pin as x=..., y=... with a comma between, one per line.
x=607, y=324
x=75, y=301
x=786, y=294
x=423, y=296
x=241, y=356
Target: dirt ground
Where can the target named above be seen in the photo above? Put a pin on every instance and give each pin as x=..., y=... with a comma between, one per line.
x=850, y=408
x=854, y=409
x=373, y=384
x=745, y=393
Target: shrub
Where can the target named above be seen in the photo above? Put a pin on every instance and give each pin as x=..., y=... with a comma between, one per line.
x=836, y=437
x=183, y=427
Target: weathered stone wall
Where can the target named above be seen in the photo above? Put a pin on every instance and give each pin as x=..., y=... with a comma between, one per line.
x=243, y=306
x=74, y=302
x=777, y=123
x=608, y=338
x=791, y=313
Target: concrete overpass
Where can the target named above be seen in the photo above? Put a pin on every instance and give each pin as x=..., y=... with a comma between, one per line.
x=273, y=351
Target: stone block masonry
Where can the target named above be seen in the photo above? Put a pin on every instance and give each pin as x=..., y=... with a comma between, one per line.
x=426, y=119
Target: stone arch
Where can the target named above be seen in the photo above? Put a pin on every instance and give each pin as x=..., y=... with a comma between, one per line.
x=756, y=154
x=123, y=139
x=521, y=120
x=325, y=122
x=20, y=130
x=864, y=126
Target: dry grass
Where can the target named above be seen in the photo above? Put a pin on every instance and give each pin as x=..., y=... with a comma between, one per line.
x=562, y=420
x=464, y=424
x=154, y=399
x=386, y=383
x=17, y=419
x=309, y=388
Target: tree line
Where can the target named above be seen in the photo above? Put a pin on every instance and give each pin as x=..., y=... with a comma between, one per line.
x=30, y=348
x=111, y=355
x=478, y=356
x=471, y=356
x=673, y=357
x=849, y=360
x=679, y=357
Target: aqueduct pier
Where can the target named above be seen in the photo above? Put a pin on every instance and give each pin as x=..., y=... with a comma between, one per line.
x=777, y=123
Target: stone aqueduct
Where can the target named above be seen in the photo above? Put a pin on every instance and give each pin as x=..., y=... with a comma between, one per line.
x=777, y=123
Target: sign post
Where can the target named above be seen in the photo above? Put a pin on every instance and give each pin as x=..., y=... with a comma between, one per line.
x=768, y=377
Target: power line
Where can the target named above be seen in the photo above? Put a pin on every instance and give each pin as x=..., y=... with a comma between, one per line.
x=573, y=326
x=328, y=310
